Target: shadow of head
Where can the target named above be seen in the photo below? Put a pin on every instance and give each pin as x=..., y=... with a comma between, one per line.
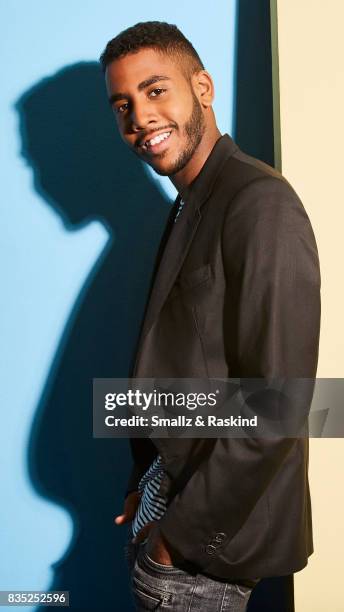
x=81, y=166
x=83, y=170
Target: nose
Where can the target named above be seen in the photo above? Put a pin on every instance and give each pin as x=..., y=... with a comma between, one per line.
x=142, y=114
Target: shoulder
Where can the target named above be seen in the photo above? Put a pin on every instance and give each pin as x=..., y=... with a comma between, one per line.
x=265, y=214
x=256, y=193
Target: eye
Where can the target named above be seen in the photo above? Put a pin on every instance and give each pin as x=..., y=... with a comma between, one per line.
x=157, y=91
x=122, y=108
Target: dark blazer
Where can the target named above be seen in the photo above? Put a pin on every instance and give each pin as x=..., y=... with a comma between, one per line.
x=236, y=295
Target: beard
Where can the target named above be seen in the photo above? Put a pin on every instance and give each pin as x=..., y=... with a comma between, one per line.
x=194, y=129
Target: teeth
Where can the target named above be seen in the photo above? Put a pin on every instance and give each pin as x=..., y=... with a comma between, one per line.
x=157, y=139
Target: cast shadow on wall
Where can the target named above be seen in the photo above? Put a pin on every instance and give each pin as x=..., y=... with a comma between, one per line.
x=84, y=171
x=253, y=114
x=254, y=133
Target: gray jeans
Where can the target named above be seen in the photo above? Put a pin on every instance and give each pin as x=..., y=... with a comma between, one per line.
x=166, y=587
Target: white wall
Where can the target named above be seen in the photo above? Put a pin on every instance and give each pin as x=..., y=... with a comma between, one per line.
x=311, y=52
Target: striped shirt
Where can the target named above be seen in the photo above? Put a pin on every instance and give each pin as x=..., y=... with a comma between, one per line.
x=152, y=505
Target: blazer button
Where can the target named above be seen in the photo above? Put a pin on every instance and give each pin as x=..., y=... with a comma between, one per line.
x=219, y=537
x=210, y=549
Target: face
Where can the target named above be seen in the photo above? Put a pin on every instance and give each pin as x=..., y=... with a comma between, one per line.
x=158, y=114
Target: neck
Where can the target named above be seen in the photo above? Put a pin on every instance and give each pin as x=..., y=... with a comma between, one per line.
x=184, y=177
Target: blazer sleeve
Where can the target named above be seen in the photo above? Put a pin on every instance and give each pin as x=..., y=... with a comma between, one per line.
x=271, y=329
x=143, y=452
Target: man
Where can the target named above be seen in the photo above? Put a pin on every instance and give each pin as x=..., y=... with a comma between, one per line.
x=236, y=294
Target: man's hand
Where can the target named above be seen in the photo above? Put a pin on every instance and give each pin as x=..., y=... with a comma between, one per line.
x=144, y=532
x=156, y=547
x=130, y=506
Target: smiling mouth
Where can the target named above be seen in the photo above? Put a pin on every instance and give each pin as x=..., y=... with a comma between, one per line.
x=157, y=143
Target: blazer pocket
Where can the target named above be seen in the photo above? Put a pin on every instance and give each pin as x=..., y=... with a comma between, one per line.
x=195, y=277
x=190, y=280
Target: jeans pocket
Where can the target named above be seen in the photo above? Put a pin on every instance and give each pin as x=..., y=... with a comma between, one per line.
x=147, y=597
x=158, y=568
x=155, y=563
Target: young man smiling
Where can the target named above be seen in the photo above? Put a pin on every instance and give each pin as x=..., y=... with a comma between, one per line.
x=176, y=141
x=236, y=295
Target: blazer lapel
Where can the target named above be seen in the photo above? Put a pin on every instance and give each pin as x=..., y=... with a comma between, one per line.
x=171, y=262
x=182, y=233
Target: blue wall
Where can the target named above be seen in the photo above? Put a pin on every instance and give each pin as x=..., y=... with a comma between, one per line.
x=81, y=222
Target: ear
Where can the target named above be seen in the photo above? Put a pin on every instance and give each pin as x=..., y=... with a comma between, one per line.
x=203, y=87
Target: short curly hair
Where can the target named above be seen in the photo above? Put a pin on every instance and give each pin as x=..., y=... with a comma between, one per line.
x=159, y=35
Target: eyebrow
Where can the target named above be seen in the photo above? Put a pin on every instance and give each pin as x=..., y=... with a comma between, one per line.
x=146, y=83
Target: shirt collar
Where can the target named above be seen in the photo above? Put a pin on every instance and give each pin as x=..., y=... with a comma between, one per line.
x=203, y=183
